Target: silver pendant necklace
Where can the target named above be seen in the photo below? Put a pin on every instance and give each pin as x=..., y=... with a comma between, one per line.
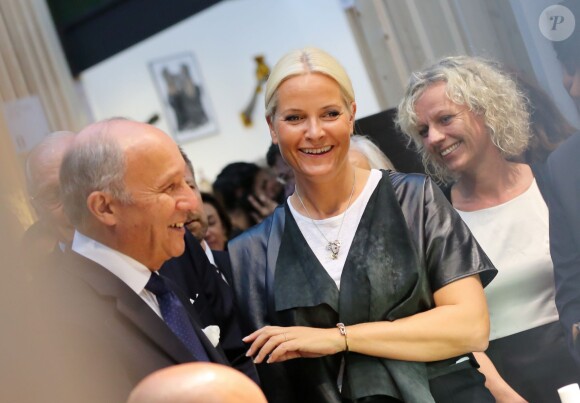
x=332, y=246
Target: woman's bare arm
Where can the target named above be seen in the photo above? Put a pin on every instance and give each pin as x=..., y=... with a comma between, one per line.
x=458, y=324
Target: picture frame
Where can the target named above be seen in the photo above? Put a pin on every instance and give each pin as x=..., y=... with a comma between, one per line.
x=186, y=104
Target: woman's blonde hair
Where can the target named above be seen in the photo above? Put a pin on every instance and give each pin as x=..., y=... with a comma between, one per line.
x=487, y=91
x=306, y=61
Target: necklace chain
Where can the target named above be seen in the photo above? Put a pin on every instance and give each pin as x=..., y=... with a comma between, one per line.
x=332, y=246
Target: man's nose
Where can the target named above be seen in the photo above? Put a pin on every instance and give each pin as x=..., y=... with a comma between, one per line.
x=187, y=199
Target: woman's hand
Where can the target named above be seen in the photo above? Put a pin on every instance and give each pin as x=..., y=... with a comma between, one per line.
x=277, y=344
x=499, y=388
x=263, y=206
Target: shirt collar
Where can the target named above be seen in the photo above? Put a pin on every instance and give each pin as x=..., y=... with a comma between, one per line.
x=131, y=272
x=208, y=252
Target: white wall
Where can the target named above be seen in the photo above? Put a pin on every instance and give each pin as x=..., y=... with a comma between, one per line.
x=224, y=39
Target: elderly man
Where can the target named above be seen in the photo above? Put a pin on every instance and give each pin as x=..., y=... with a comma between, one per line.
x=563, y=174
x=124, y=191
x=52, y=228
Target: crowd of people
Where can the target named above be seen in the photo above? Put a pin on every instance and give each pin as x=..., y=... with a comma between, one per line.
x=324, y=275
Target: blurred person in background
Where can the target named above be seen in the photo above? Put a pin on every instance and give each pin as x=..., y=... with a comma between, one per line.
x=268, y=193
x=563, y=175
x=248, y=192
x=23, y=346
x=568, y=53
x=364, y=153
x=283, y=172
x=549, y=128
x=219, y=230
x=52, y=231
x=198, y=225
x=232, y=186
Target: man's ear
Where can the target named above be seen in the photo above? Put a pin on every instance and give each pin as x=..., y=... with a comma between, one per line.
x=273, y=134
x=99, y=204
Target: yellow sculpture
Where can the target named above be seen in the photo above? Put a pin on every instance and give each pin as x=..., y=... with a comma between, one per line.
x=262, y=73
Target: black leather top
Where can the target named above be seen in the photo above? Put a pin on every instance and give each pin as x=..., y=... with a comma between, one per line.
x=439, y=249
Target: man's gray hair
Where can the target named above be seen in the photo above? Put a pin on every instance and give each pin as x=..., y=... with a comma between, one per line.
x=95, y=164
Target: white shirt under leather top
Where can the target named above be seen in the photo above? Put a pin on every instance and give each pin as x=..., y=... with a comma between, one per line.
x=330, y=227
x=515, y=237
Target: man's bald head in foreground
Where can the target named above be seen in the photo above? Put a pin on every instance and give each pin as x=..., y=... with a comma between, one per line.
x=200, y=382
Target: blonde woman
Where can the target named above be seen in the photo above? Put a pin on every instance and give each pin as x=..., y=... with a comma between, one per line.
x=469, y=120
x=365, y=285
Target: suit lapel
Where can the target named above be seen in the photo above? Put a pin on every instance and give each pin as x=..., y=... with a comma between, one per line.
x=222, y=260
x=134, y=309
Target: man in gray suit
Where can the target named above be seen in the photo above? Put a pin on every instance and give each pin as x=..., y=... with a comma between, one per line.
x=124, y=191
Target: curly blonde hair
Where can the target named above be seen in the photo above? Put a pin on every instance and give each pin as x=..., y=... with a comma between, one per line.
x=485, y=89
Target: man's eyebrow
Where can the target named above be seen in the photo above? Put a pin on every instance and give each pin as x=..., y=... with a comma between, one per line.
x=167, y=177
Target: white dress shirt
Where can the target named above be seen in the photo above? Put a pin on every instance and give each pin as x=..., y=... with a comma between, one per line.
x=208, y=253
x=127, y=269
x=211, y=259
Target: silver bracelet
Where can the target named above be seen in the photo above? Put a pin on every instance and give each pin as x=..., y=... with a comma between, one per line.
x=342, y=329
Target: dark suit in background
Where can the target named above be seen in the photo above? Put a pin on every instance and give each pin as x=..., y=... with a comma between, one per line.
x=222, y=261
x=563, y=176
x=212, y=298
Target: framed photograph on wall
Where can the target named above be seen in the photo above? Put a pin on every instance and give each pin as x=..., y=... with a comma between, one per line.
x=186, y=105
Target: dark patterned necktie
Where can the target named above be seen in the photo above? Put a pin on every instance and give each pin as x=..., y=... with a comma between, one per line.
x=175, y=316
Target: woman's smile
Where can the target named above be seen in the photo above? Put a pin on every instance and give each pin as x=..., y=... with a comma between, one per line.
x=316, y=151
